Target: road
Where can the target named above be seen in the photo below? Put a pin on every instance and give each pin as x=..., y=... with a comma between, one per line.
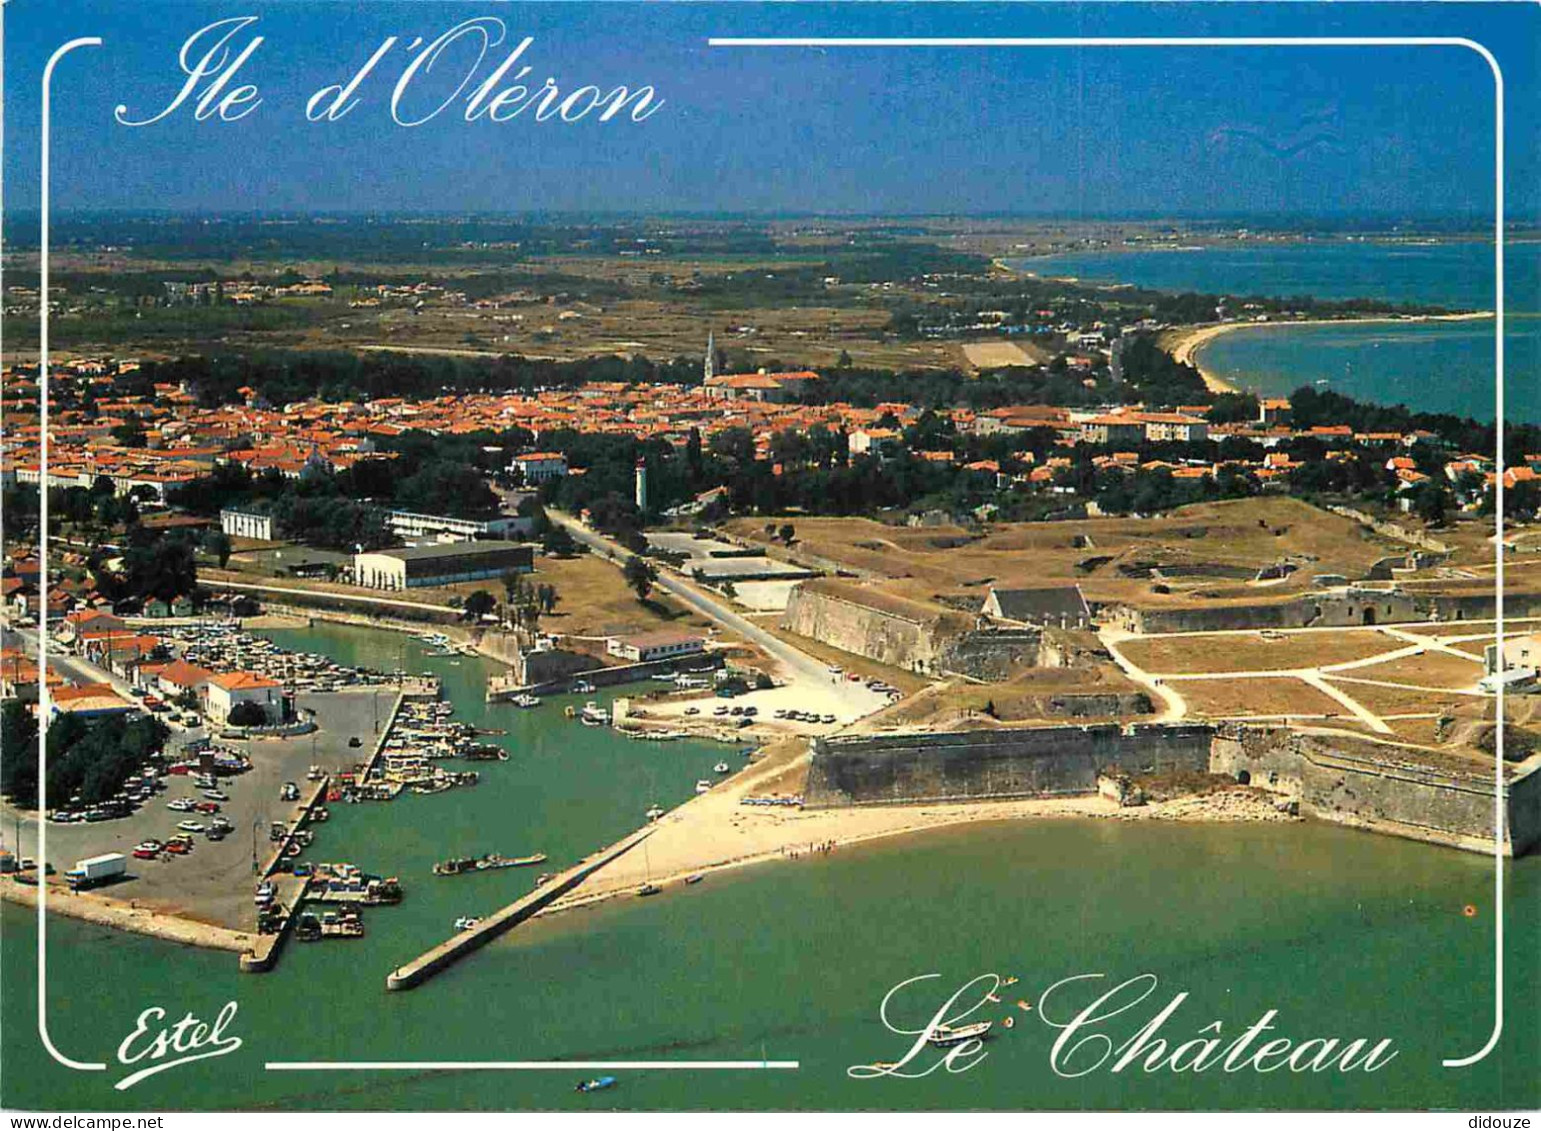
x=857, y=699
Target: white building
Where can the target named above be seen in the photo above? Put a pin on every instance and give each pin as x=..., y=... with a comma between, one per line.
x=537, y=467
x=409, y=524
x=239, y=523
x=654, y=646
x=226, y=689
x=440, y=565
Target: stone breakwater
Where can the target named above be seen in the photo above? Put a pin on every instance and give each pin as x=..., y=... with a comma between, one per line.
x=124, y=916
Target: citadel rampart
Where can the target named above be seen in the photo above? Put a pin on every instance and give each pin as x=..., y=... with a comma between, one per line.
x=1378, y=787
x=1375, y=786
x=899, y=769
x=906, y=634
x=1326, y=610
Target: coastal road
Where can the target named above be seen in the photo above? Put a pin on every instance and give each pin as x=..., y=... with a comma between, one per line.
x=857, y=699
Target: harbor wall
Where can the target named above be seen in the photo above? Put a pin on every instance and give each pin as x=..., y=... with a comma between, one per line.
x=1375, y=786
x=923, y=767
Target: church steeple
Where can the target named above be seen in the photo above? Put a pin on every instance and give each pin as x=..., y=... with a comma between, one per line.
x=709, y=366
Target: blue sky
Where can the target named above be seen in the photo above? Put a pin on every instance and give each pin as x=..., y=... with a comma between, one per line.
x=1079, y=132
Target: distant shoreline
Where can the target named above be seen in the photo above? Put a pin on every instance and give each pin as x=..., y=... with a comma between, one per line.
x=1186, y=344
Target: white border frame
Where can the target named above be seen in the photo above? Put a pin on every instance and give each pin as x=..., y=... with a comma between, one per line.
x=806, y=42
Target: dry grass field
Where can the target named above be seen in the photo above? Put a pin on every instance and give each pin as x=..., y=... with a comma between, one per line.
x=906, y=681
x=1232, y=698
x=1110, y=558
x=1432, y=669
x=1395, y=701
x=1234, y=653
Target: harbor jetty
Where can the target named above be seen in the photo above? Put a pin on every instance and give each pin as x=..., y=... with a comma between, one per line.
x=502, y=688
x=426, y=965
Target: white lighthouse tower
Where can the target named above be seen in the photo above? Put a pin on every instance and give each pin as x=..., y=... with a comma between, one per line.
x=642, y=485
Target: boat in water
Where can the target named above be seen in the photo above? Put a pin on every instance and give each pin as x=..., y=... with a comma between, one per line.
x=598, y=1084
x=459, y=866
x=703, y=786
x=593, y=715
x=649, y=889
x=945, y=1035
x=466, y=922
x=655, y=812
x=722, y=768
x=526, y=700
x=583, y=687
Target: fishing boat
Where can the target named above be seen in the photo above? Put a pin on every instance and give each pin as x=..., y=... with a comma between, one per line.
x=484, y=752
x=596, y=1085
x=695, y=879
x=455, y=867
x=593, y=715
x=945, y=1035
x=493, y=860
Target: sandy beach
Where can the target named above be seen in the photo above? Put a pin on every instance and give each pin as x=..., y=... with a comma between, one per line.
x=1186, y=343
x=714, y=832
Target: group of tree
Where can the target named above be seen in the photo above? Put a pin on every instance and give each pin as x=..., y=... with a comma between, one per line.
x=91, y=759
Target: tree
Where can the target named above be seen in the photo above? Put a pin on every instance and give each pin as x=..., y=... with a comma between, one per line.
x=547, y=597
x=130, y=434
x=479, y=604
x=640, y=575
x=247, y=714
x=514, y=586
x=787, y=533
x=558, y=542
x=217, y=544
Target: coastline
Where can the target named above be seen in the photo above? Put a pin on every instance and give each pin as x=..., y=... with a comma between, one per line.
x=1186, y=344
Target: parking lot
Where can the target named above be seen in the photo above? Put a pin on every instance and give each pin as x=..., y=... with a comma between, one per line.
x=214, y=882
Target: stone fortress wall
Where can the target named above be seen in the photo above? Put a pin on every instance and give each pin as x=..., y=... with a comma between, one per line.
x=922, y=767
x=1368, y=785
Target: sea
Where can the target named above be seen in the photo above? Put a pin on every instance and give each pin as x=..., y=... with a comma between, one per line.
x=1322, y=931
x=1430, y=366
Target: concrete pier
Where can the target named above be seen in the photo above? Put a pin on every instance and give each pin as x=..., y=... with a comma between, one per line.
x=263, y=955
x=426, y=965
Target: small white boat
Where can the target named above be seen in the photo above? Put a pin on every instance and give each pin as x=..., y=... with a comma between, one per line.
x=722, y=768
x=466, y=922
x=583, y=687
x=526, y=700
x=945, y=1035
x=703, y=786
x=654, y=813
x=593, y=715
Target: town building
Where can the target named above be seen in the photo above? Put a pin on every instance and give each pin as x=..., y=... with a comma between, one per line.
x=440, y=565
x=244, y=522
x=410, y=524
x=646, y=646
x=538, y=467
x=225, y=690
x=1058, y=606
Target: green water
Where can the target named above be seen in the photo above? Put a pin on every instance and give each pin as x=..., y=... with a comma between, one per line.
x=1344, y=933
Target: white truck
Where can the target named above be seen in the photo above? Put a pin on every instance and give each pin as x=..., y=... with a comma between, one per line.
x=96, y=870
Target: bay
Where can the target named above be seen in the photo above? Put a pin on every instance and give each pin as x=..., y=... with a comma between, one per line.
x=1431, y=366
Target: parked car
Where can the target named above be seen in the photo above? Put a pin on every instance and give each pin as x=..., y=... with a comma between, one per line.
x=190, y=826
